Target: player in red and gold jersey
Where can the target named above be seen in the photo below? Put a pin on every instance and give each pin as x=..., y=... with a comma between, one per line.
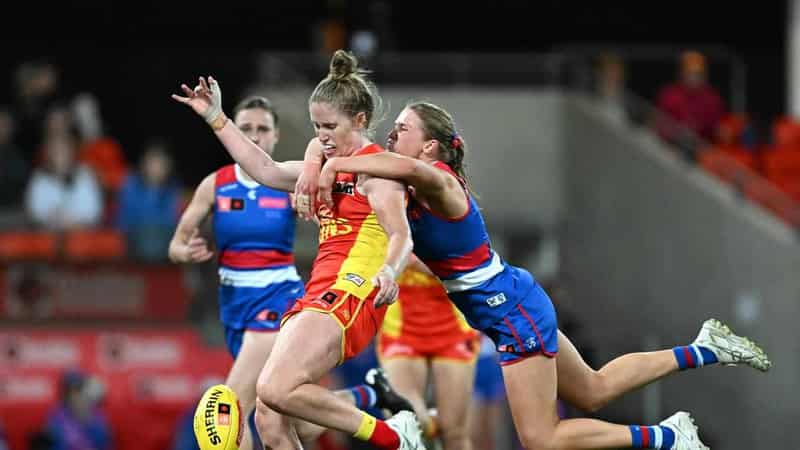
x=364, y=244
x=352, y=249
x=424, y=334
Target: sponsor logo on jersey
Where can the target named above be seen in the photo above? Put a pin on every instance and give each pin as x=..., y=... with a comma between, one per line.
x=273, y=202
x=355, y=279
x=344, y=187
x=496, y=300
x=329, y=297
x=329, y=228
x=225, y=204
x=267, y=315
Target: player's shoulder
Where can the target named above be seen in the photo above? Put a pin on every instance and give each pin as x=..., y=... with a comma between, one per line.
x=369, y=150
x=224, y=175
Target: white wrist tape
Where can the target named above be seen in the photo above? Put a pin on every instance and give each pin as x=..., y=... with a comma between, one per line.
x=215, y=108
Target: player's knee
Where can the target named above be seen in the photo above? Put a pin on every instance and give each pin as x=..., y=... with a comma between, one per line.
x=455, y=438
x=596, y=396
x=273, y=394
x=452, y=431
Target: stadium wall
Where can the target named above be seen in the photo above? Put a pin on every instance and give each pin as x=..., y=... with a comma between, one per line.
x=653, y=247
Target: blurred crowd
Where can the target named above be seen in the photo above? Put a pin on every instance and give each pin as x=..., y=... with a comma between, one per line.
x=759, y=157
x=64, y=172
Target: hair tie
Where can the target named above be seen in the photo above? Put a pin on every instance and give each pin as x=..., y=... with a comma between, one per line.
x=455, y=141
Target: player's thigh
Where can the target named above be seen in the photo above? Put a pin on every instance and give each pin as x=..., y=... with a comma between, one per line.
x=575, y=377
x=308, y=346
x=531, y=386
x=453, y=385
x=255, y=349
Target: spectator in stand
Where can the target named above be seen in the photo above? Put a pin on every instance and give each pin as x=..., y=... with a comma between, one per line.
x=62, y=193
x=14, y=170
x=149, y=204
x=36, y=85
x=689, y=108
x=610, y=87
x=98, y=150
x=76, y=423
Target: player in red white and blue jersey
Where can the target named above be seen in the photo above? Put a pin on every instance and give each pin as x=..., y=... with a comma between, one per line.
x=253, y=230
x=508, y=305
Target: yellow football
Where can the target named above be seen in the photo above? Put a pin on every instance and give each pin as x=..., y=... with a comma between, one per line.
x=217, y=419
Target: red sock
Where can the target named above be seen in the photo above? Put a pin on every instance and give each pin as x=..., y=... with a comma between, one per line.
x=384, y=437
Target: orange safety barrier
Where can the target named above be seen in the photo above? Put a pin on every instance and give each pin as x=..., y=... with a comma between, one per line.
x=728, y=168
x=781, y=162
x=754, y=187
x=28, y=245
x=786, y=133
x=94, y=245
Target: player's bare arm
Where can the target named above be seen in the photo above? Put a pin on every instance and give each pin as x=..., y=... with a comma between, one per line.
x=206, y=100
x=431, y=184
x=388, y=198
x=307, y=185
x=187, y=246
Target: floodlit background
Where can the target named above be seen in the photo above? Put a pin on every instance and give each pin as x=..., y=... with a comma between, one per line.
x=643, y=161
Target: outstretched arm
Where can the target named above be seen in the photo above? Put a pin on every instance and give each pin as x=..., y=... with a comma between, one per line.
x=206, y=101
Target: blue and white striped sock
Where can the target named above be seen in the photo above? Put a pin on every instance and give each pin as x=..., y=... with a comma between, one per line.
x=657, y=436
x=693, y=356
x=364, y=395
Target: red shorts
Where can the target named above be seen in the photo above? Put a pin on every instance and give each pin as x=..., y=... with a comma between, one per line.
x=463, y=349
x=359, y=319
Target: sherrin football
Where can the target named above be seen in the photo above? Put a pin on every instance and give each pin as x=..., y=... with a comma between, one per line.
x=217, y=419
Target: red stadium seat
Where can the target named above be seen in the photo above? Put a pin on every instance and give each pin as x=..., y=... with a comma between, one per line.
x=28, y=245
x=94, y=245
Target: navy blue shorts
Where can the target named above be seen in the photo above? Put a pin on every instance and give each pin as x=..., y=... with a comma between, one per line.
x=529, y=329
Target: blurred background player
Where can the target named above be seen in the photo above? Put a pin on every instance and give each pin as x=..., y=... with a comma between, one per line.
x=488, y=398
x=424, y=337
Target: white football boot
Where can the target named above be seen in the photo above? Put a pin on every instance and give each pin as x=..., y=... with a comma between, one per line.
x=686, y=438
x=407, y=427
x=729, y=348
